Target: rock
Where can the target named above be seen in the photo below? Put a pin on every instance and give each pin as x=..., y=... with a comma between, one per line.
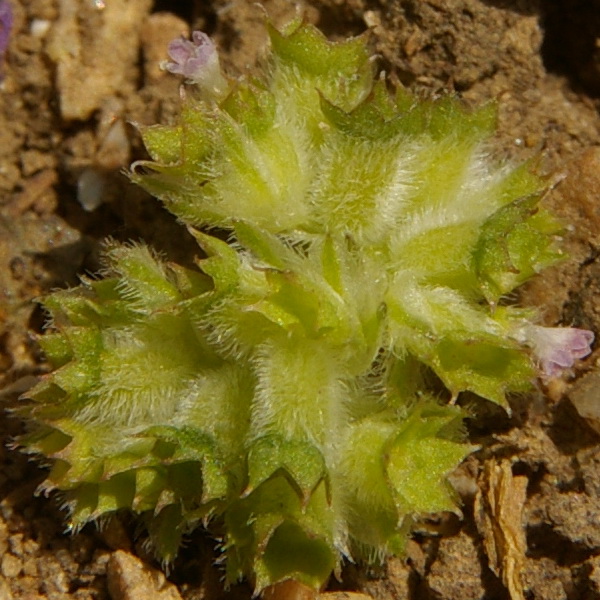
x=344, y=596
x=131, y=579
x=5, y=593
x=456, y=574
x=576, y=517
x=585, y=396
x=99, y=43
x=11, y=566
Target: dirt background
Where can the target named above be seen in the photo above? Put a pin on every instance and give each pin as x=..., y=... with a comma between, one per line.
x=78, y=73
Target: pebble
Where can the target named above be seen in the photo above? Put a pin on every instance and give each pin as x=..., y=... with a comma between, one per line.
x=5, y=593
x=10, y=566
x=585, y=395
x=131, y=579
x=40, y=27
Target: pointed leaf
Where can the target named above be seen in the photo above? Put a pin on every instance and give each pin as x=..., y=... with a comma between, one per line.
x=301, y=461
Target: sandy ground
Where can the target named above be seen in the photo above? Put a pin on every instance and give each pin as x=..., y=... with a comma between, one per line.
x=78, y=73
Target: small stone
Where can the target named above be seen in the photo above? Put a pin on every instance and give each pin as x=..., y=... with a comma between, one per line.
x=544, y=578
x=576, y=517
x=30, y=568
x=54, y=579
x=5, y=593
x=40, y=27
x=293, y=590
x=31, y=547
x=344, y=596
x=131, y=579
x=585, y=395
x=33, y=161
x=594, y=576
x=456, y=574
x=11, y=566
x=16, y=544
x=108, y=56
x=372, y=18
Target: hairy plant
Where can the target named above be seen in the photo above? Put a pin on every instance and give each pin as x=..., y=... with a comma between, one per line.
x=288, y=392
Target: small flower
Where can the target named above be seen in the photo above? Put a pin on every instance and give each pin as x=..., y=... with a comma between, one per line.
x=191, y=57
x=6, y=23
x=198, y=61
x=557, y=348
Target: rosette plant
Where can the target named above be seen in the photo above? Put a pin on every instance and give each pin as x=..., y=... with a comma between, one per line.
x=295, y=391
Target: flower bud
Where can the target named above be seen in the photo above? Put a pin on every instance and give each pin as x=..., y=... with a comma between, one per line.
x=198, y=61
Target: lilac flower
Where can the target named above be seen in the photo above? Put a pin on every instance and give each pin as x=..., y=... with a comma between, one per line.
x=557, y=348
x=198, y=61
x=6, y=23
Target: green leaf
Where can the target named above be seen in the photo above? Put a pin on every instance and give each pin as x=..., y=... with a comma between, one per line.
x=253, y=105
x=115, y=494
x=192, y=445
x=306, y=47
x=149, y=482
x=420, y=457
x=166, y=530
x=265, y=246
x=222, y=264
x=162, y=142
x=373, y=119
x=514, y=244
x=293, y=553
x=483, y=368
x=84, y=501
x=57, y=349
x=301, y=461
x=144, y=279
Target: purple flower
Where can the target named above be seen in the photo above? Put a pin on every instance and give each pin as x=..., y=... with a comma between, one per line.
x=557, y=348
x=190, y=58
x=198, y=61
x=6, y=23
